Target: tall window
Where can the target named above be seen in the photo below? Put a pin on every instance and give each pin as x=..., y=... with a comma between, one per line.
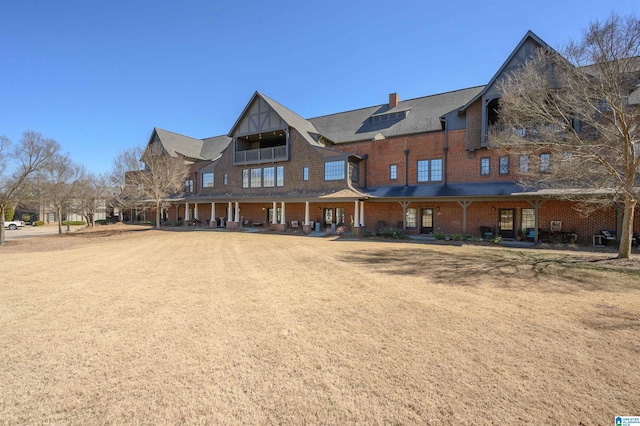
x=207, y=180
x=412, y=218
x=485, y=166
x=393, y=172
x=245, y=178
x=528, y=218
x=504, y=165
x=224, y=179
x=256, y=178
x=269, y=176
x=423, y=171
x=436, y=170
x=340, y=215
x=188, y=185
x=545, y=162
x=334, y=170
x=524, y=164
x=430, y=170
x=354, y=172
x=280, y=176
x=305, y=173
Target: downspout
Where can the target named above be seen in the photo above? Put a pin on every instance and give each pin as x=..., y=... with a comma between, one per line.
x=445, y=151
x=365, y=157
x=406, y=168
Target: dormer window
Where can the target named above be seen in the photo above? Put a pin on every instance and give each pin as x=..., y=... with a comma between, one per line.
x=389, y=116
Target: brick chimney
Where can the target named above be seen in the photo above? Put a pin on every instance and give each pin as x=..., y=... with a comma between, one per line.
x=393, y=100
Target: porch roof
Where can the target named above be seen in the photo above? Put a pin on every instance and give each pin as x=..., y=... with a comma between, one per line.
x=475, y=189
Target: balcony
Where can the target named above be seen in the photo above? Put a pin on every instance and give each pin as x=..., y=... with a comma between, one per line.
x=533, y=132
x=262, y=155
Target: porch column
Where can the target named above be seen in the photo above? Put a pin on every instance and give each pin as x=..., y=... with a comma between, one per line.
x=356, y=215
x=283, y=219
x=186, y=211
x=306, y=213
x=361, y=213
x=464, y=205
x=274, y=218
x=237, y=211
x=404, y=205
x=212, y=221
x=229, y=213
x=195, y=211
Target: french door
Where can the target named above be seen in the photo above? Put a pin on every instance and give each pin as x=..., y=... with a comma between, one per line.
x=426, y=224
x=506, y=228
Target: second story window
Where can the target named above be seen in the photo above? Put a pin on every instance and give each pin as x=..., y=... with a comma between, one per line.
x=269, y=177
x=430, y=170
x=504, y=165
x=256, y=178
x=305, y=173
x=545, y=162
x=524, y=164
x=188, y=185
x=334, y=170
x=245, y=178
x=207, y=180
x=393, y=172
x=224, y=179
x=280, y=176
x=485, y=166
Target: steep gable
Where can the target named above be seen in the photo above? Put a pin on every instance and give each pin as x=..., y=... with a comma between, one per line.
x=262, y=114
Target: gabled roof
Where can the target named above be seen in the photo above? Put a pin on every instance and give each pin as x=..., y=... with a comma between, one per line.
x=175, y=143
x=529, y=35
x=304, y=127
x=422, y=115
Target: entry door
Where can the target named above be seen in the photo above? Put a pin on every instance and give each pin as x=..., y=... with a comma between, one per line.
x=506, y=227
x=426, y=226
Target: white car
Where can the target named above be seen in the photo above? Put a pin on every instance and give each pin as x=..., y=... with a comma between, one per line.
x=13, y=224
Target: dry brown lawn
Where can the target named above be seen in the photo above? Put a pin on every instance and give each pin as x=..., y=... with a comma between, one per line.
x=204, y=327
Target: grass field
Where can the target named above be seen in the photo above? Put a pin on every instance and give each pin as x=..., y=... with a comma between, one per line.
x=204, y=327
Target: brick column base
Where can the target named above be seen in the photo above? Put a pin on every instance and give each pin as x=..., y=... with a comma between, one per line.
x=306, y=229
x=233, y=225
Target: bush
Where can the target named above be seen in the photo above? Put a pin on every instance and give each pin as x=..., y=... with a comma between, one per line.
x=26, y=217
x=439, y=236
x=74, y=222
x=102, y=222
x=38, y=223
x=391, y=233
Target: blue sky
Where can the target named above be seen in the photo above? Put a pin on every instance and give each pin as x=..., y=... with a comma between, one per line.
x=97, y=76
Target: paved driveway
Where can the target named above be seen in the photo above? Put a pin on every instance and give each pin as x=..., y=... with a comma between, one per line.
x=35, y=231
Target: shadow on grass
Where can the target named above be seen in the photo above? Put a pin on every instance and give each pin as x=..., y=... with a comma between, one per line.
x=511, y=269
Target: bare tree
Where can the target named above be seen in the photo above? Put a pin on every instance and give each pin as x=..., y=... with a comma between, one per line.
x=162, y=177
x=574, y=119
x=93, y=194
x=59, y=184
x=17, y=163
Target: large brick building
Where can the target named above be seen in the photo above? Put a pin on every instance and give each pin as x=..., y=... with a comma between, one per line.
x=422, y=164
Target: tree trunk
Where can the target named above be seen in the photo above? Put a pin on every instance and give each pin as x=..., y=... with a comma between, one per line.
x=624, y=252
x=2, y=237
x=158, y=215
x=59, y=211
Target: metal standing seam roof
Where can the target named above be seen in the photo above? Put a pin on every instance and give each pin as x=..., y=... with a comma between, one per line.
x=474, y=189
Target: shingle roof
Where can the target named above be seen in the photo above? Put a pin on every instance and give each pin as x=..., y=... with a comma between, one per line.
x=423, y=116
x=303, y=126
x=175, y=143
x=213, y=147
